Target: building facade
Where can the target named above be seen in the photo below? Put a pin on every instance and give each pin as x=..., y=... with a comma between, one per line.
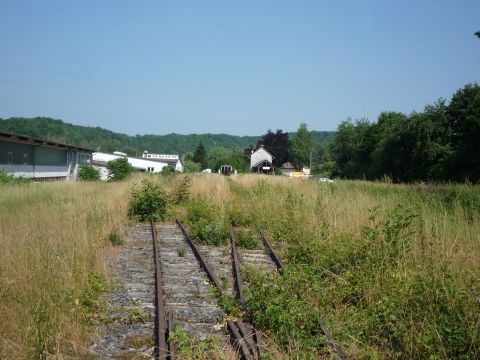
x=172, y=160
x=38, y=159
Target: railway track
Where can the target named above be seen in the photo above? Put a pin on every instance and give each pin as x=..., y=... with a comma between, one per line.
x=181, y=292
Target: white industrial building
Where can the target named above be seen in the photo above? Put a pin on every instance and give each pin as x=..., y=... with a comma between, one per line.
x=172, y=160
x=101, y=159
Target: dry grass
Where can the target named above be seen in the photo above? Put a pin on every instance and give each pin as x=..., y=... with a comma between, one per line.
x=52, y=236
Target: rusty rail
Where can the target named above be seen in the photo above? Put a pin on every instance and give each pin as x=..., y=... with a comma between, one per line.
x=161, y=348
x=201, y=259
x=276, y=259
x=236, y=270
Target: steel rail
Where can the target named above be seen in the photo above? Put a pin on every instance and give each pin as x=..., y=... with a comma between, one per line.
x=161, y=348
x=201, y=259
x=238, y=341
x=276, y=259
x=236, y=271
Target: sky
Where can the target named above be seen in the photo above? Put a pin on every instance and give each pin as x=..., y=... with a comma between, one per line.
x=236, y=67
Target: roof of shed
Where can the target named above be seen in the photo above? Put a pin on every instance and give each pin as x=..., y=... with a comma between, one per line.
x=35, y=141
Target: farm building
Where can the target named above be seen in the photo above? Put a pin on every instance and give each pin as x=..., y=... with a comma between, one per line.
x=37, y=159
x=101, y=159
x=172, y=160
x=261, y=161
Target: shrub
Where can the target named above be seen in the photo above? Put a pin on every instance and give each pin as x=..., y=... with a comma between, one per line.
x=200, y=209
x=148, y=202
x=182, y=192
x=88, y=173
x=247, y=239
x=10, y=179
x=115, y=238
x=119, y=169
x=203, y=232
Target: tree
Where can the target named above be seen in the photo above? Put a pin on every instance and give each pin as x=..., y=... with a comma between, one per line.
x=119, y=169
x=464, y=114
x=303, y=147
x=191, y=167
x=278, y=144
x=200, y=155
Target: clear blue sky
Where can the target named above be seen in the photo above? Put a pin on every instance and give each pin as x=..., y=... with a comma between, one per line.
x=238, y=67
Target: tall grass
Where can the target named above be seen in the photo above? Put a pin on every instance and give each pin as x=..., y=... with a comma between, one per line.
x=52, y=241
x=393, y=270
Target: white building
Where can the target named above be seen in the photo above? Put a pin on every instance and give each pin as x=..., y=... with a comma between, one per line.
x=261, y=161
x=101, y=159
x=172, y=160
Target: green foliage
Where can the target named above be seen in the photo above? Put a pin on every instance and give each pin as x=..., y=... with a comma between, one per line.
x=148, y=202
x=11, y=179
x=182, y=251
x=218, y=156
x=303, y=147
x=248, y=239
x=119, y=169
x=200, y=155
x=439, y=143
x=191, y=167
x=216, y=233
x=182, y=192
x=192, y=348
x=115, y=239
x=278, y=144
x=166, y=171
x=204, y=223
x=277, y=303
x=88, y=173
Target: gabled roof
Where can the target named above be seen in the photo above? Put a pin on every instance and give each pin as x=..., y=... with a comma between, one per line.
x=263, y=148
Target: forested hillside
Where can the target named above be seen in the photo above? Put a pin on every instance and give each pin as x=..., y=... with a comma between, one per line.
x=106, y=140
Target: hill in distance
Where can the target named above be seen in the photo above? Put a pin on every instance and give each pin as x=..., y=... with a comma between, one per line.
x=99, y=139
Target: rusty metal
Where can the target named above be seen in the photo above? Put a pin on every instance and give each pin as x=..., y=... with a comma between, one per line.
x=201, y=259
x=247, y=336
x=237, y=341
x=276, y=259
x=171, y=330
x=257, y=335
x=236, y=271
x=336, y=347
x=161, y=349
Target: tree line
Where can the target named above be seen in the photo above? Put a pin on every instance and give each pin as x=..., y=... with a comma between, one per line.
x=441, y=143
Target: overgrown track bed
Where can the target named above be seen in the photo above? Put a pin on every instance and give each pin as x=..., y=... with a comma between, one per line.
x=127, y=330
x=186, y=292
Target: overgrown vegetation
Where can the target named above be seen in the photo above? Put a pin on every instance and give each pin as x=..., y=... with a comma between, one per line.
x=52, y=267
x=119, y=169
x=88, y=173
x=390, y=270
x=11, y=179
x=148, y=201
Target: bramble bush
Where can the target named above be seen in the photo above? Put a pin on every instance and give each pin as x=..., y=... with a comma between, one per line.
x=148, y=202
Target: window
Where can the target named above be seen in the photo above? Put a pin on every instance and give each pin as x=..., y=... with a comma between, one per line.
x=25, y=159
x=10, y=158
